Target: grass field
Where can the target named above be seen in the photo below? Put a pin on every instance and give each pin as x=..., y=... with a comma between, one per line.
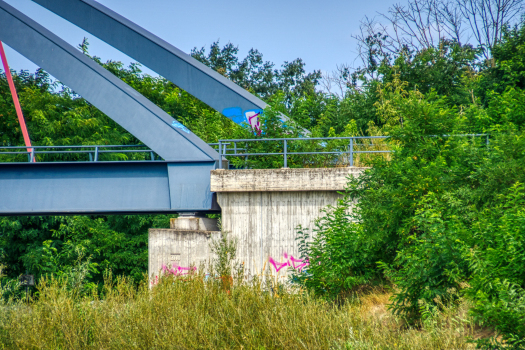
x=191, y=313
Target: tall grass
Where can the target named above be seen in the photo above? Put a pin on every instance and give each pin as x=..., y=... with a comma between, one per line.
x=190, y=312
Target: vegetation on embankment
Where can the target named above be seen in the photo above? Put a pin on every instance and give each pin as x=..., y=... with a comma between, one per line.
x=441, y=223
x=192, y=312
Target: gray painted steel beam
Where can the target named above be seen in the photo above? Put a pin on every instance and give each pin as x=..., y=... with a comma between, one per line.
x=127, y=107
x=165, y=59
x=105, y=187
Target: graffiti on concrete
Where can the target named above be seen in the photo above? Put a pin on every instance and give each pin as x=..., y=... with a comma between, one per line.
x=155, y=281
x=253, y=119
x=177, y=270
x=250, y=116
x=289, y=260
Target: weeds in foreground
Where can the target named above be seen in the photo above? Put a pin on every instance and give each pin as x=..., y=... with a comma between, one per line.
x=190, y=312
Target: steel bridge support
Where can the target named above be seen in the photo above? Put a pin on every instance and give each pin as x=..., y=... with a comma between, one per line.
x=105, y=188
x=135, y=113
x=183, y=70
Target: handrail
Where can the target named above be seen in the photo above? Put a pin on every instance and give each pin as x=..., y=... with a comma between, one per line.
x=225, y=147
x=92, y=150
x=352, y=144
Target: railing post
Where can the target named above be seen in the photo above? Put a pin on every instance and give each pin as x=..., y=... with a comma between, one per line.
x=220, y=154
x=246, y=156
x=152, y=156
x=225, y=151
x=352, y=151
x=285, y=154
x=95, y=159
x=32, y=157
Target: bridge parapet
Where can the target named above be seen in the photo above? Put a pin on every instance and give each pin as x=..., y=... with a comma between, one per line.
x=286, y=179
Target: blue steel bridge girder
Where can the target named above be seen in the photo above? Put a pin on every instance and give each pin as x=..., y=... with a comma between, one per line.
x=183, y=70
x=150, y=124
x=105, y=187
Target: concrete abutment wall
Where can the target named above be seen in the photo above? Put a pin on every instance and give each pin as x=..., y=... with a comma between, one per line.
x=262, y=209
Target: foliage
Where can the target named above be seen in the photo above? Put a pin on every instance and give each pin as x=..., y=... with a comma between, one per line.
x=430, y=266
x=224, y=250
x=258, y=76
x=440, y=218
x=341, y=258
x=507, y=67
x=188, y=313
x=52, y=245
x=442, y=69
x=497, y=262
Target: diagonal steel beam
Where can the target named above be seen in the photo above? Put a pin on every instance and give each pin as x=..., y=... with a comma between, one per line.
x=127, y=107
x=183, y=70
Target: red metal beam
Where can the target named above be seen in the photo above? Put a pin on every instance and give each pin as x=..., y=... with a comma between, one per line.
x=15, y=98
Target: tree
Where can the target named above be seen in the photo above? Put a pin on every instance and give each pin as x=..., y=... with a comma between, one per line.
x=422, y=24
x=488, y=18
x=507, y=69
x=258, y=76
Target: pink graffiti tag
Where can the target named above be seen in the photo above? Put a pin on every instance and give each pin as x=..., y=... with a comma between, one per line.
x=298, y=267
x=254, y=121
x=277, y=265
x=177, y=270
x=155, y=281
x=297, y=264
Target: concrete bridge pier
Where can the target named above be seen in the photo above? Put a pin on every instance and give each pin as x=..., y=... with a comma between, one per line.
x=186, y=244
x=262, y=209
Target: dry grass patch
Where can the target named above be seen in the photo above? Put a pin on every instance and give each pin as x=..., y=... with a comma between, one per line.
x=192, y=313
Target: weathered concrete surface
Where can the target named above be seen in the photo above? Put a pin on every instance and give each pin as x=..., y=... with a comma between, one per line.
x=265, y=222
x=176, y=247
x=263, y=208
x=269, y=180
x=194, y=224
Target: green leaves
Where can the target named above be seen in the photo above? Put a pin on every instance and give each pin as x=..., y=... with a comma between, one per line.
x=55, y=245
x=440, y=219
x=497, y=262
x=258, y=76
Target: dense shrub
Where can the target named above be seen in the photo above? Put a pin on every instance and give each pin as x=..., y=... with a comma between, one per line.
x=498, y=267
x=195, y=312
x=441, y=219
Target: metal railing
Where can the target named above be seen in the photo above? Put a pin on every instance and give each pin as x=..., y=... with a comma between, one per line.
x=350, y=146
x=93, y=151
x=355, y=145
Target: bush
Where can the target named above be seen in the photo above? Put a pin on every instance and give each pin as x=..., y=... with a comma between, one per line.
x=190, y=312
x=498, y=265
x=442, y=213
x=341, y=257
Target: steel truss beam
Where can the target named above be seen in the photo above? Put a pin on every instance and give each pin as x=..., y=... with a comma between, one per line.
x=183, y=70
x=105, y=188
x=127, y=107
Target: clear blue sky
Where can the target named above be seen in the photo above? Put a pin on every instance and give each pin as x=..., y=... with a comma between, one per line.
x=319, y=32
